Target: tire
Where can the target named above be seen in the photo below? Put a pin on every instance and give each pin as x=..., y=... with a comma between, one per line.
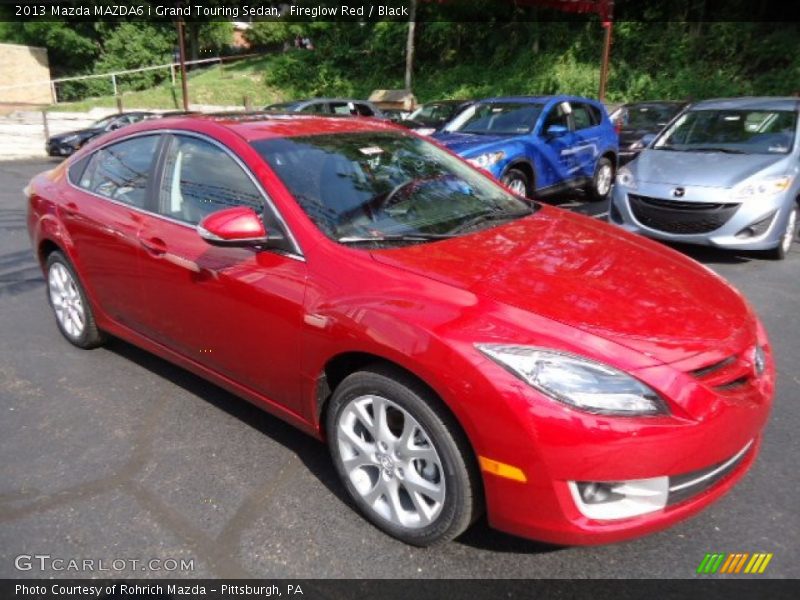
x=788, y=236
x=602, y=180
x=70, y=305
x=517, y=182
x=421, y=501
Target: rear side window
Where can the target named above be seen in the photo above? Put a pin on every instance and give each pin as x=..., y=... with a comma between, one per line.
x=581, y=116
x=121, y=171
x=201, y=178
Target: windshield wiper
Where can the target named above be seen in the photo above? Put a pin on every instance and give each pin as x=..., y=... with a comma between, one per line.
x=394, y=237
x=488, y=217
x=716, y=149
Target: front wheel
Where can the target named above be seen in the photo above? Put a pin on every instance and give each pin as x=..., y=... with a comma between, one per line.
x=788, y=237
x=516, y=181
x=600, y=186
x=401, y=457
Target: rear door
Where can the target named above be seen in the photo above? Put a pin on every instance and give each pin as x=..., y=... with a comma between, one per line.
x=588, y=137
x=237, y=311
x=103, y=215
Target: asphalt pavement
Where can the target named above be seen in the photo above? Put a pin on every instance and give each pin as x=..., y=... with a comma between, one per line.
x=115, y=454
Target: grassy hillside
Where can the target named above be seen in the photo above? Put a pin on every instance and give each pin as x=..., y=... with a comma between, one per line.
x=222, y=86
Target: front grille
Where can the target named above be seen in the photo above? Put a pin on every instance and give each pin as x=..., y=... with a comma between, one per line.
x=683, y=487
x=680, y=217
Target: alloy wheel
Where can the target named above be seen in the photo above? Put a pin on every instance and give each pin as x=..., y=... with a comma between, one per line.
x=517, y=186
x=391, y=462
x=66, y=300
x=603, y=181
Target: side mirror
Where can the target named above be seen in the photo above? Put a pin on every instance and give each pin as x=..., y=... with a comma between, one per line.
x=555, y=131
x=237, y=226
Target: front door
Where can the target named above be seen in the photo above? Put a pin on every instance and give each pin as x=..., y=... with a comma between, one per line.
x=238, y=311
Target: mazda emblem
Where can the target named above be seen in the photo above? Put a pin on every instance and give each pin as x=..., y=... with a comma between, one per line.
x=678, y=192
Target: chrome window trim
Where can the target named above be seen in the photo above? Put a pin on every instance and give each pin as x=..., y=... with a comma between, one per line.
x=296, y=255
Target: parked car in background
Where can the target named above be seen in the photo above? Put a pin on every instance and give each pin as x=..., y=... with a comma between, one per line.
x=634, y=121
x=461, y=349
x=538, y=144
x=64, y=144
x=724, y=173
x=329, y=106
x=432, y=116
x=395, y=115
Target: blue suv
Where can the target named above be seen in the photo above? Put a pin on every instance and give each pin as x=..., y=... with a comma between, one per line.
x=538, y=144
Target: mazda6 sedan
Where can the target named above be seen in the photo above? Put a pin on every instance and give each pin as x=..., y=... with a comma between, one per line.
x=461, y=349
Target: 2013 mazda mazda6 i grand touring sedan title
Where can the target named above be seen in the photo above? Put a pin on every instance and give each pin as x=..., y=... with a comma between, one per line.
x=461, y=349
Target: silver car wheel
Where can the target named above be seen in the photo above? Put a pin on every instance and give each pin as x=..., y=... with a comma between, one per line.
x=603, y=182
x=391, y=462
x=66, y=300
x=791, y=228
x=518, y=187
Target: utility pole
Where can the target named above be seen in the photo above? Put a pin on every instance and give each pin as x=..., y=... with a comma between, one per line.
x=412, y=25
x=182, y=53
x=608, y=23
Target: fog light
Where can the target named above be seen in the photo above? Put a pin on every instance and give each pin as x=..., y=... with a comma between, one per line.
x=605, y=501
x=758, y=228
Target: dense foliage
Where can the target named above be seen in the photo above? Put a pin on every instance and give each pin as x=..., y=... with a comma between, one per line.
x=648, y=60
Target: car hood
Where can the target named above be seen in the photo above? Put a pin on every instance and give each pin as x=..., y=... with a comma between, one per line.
x=629, y=136
x=82, y=133
x=470, y=143
x=702, y=169
x=591, y=276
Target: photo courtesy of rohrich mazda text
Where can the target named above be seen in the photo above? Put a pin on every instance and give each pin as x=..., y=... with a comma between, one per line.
x=462, y=349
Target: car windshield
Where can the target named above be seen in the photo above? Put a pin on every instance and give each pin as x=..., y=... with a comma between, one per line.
x=647, y=116
x=381, y=187
x=753, y=131
x=104, y=122
x=433, y=113
x=501, y=118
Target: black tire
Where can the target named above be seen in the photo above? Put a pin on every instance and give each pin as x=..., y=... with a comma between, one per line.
x=518, y=181
x=463, y=500
x=599, y=188
x=790, y=232
x=90, y=336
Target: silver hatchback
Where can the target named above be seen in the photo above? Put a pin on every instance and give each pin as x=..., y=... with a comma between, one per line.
x=723, y=173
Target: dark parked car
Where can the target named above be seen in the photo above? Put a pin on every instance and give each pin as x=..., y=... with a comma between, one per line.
x=64, y=144
x=635, y=120
x=329, y=106
x=431, y=117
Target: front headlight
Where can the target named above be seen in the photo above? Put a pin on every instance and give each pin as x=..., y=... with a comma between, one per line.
x=577, y=381
x=762, y=188
x=626, y=179
x=485, y=161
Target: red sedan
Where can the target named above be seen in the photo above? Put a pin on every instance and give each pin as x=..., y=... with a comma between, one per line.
x=461, y=349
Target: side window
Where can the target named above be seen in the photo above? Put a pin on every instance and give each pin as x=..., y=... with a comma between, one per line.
x=121, y=171
x=318, y=108
x=341, y=108
x=557, y=116
x=581, y=116
x=364, y=110
x=200, y=178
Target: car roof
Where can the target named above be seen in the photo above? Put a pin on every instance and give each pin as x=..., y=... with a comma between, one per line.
x=539, y=99
x=264, y=125
x=750, y=102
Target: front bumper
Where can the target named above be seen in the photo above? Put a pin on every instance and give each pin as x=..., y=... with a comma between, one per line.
x=726, y=232
x=703, y=451
x=58, y=149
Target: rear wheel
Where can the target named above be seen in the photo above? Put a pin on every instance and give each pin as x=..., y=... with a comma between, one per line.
x=788, y=237
x=70, y=305
x=517, y=182
x=401, y=457
x=600, y=186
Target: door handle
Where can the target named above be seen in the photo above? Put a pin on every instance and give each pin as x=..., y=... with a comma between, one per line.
x=154, y=245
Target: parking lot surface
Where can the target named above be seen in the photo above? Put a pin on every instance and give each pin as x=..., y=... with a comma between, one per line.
x=116, y=454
